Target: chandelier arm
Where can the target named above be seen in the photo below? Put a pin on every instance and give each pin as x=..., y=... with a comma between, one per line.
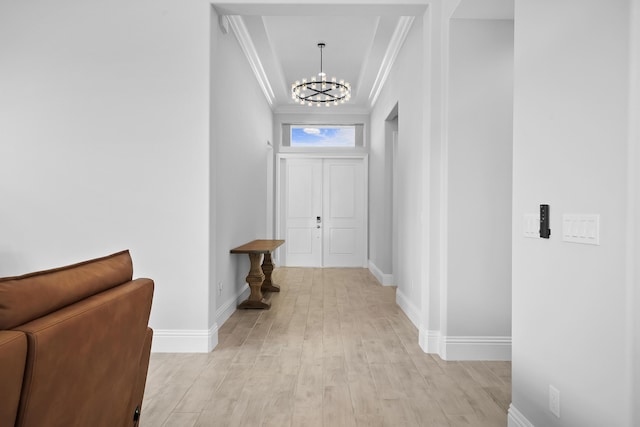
x=315, y=92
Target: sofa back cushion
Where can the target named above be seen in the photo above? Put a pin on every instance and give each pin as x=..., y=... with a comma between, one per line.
x=84, y=360
x=25, y=298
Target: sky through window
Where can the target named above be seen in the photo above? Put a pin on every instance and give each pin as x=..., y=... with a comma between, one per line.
x=323, y=136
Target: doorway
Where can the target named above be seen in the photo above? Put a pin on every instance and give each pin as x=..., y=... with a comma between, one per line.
x=391, y=194
x=322, y=211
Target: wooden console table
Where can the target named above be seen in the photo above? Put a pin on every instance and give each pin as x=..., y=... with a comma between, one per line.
x=259, y=278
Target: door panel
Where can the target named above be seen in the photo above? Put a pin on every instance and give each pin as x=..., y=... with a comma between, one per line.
x=344, y=210
x=303, y=203
x=342, y=241
x=341, y=196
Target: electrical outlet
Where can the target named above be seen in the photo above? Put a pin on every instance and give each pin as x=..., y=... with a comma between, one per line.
x=220, y=287
x=554, y=401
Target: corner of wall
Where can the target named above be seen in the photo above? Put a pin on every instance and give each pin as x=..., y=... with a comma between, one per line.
x=408, y=307
x=229, y=307
x=429, y=341
x=384, y=279
x=516, y=419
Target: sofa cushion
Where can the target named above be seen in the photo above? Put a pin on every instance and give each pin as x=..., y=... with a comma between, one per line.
x=33, y=295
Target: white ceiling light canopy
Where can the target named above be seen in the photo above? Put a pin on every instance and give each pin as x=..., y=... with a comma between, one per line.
x=318, y=91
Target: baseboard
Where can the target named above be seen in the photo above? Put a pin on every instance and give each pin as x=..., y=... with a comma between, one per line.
x=408, y=308
x=475, y=348
x=184, y=341
x=429, y=341
x=229, y=307
x=196, y=341
x=464, y=348
x=384, y=279
x=516, y=419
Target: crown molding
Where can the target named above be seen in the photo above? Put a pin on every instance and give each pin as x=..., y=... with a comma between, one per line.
x=242, y=35
x=396, y=42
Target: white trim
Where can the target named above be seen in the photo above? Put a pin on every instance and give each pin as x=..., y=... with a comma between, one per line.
x=464, y=348
x=229, y=307
x=408, y=307
x=244, y=38
x=362, y=155
x=298, y=109
x=396, y=42
x=429, y=341
x=196, y=341
x=184, y=340
x=444, y=182
x=516, y=419
x=384, y=279
x=633, y=209
x=475, y=348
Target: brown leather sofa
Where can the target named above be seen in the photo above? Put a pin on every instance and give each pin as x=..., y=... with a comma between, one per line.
x=74, y=345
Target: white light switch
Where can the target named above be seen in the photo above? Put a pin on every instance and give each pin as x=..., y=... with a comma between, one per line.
x=581, y=228
x=531, y=226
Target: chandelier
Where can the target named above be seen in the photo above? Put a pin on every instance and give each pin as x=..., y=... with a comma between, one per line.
x=318, y=91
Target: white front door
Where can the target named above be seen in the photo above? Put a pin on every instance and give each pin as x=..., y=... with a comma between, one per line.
x=324, y=212
x=343, y=213
x=302, y=208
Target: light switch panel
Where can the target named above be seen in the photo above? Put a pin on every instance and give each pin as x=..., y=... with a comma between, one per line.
x=531, y=225
x=581, y=228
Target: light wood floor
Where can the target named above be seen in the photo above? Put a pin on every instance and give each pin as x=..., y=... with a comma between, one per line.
x=334, y=350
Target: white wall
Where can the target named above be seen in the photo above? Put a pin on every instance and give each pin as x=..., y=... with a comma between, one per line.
x=403, y=87
x=242, y=123
x=479, y=163
x=104, y=110
x=465, y=107
x=633, y=282
x=571, y=314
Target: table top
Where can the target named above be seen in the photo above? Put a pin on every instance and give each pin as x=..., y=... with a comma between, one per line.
x=258, y=247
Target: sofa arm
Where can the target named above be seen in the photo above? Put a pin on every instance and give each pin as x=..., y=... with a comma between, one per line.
x=141, y=378
x=13, y=355
x=84, y=359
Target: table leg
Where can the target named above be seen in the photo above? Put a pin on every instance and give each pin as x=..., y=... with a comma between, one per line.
x=255, y=279
x=267, y=269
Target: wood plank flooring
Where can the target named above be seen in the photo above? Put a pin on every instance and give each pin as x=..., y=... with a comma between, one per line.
x=334, y=350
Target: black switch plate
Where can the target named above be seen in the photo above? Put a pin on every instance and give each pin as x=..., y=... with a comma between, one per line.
x=545, y=231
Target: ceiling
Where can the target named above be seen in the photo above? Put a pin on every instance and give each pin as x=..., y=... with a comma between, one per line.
x=362, y=39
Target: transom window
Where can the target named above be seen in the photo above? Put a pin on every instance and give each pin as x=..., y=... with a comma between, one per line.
x=323, y=136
